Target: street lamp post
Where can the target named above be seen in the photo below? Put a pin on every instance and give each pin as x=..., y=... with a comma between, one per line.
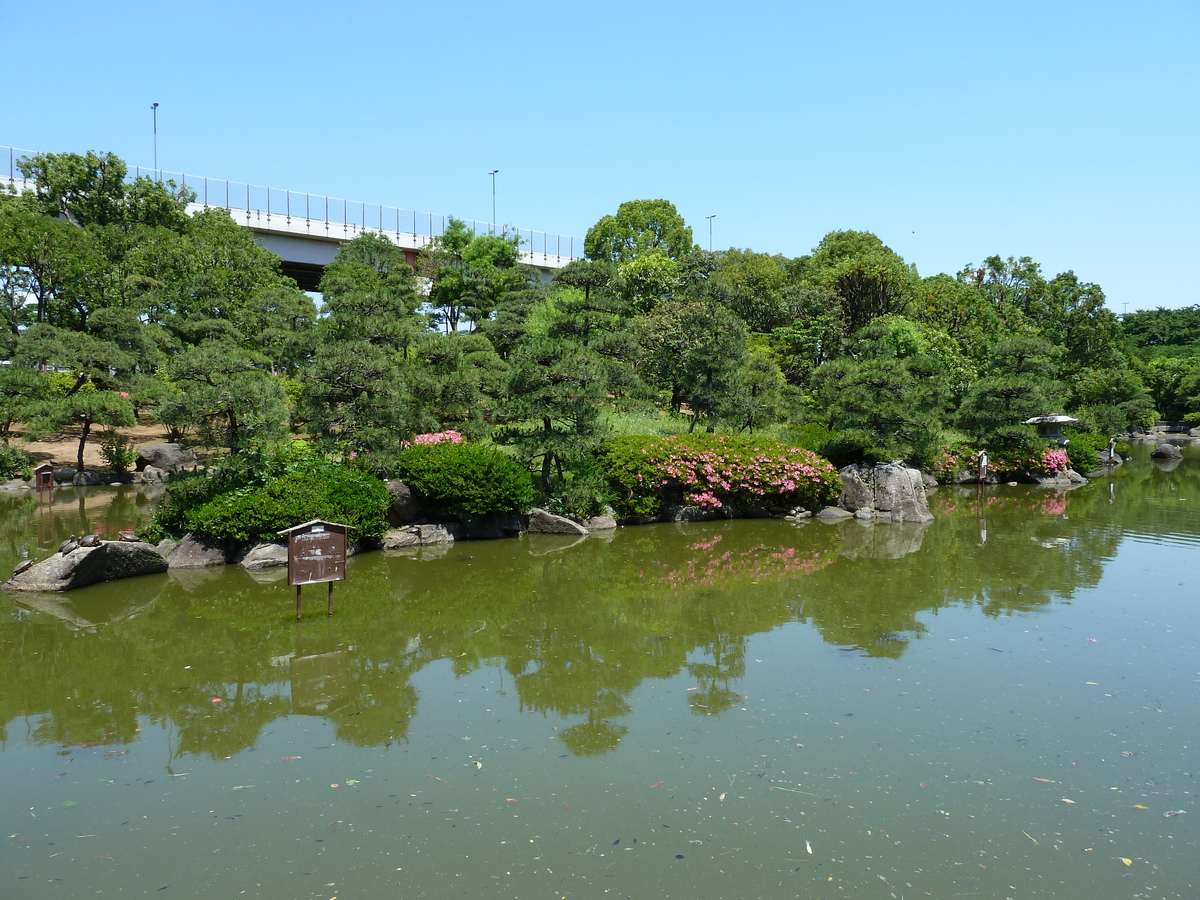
x=710, y=218
x=154, y=111
x=493, y=174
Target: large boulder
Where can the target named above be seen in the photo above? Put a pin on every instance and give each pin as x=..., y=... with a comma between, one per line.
x=543, y=522
x=1166, y=451
x=263, y=555
x=109, y=561
x=167, y=457
x=404, y=509
x=87, y=479
x=199, y=551
x=891, y=490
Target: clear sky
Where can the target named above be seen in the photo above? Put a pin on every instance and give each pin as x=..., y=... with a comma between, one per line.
x=1064, y=131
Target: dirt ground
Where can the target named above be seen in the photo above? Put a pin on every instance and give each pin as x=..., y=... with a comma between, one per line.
x=62, y=451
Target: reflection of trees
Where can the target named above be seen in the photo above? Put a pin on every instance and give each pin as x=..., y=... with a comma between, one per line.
x=579, y=631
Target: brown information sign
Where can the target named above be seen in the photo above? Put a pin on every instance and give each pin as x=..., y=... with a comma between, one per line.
x=44, y=476
x=317, y=553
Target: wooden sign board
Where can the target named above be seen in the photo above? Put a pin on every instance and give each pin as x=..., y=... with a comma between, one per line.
x=316, y=554
x=44, y=477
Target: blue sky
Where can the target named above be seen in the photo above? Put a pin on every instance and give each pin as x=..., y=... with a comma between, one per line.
x=1063, y=131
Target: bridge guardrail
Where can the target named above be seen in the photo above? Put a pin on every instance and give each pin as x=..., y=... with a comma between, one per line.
x=352, y=217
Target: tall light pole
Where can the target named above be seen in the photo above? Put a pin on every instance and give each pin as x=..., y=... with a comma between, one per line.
x=493, y=174
x=710, y=218
x=154, y=112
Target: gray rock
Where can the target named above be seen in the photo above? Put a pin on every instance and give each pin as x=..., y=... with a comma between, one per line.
x=87, y=565
x=1166, y=451
x=401, y=538
x=404, y=509
x=149, y=475
x=543, y=522
x=87, y=479
x=866, y=514
x=164, y=547
x=435, y=534
x=834, y=514
x=600, y=523
x=893, y=491
x=64, y=476
x=198, y=551
x=16, y=484
x=167, y=457
x=263, y=555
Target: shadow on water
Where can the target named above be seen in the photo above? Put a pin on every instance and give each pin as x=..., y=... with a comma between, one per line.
x=577, y=625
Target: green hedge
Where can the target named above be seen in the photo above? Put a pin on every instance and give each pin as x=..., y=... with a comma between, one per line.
x=711, y=471
x=466, y=479
x=255, y=496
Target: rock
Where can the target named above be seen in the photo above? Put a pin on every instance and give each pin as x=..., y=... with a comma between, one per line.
x=929, y=481
x=400, y=539
x=263, y=555
x=435, y=534
x=690, y=514
x=834, y=514
x=15, y=484
x=1166, y=451
x=893, y=491
x=167, y=457
x=87, y=565
x=197, y=551
x=86, y=479
x=149, y=475
x=866, y=514
x=543, y=522
x=404, y=509
x=64, y=476
x=600, y=523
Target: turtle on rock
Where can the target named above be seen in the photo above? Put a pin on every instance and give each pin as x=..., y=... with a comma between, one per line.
x=90, y=540
x=71, y=543
x=23, y=566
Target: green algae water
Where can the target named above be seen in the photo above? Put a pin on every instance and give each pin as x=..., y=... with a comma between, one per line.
x=1000, y=704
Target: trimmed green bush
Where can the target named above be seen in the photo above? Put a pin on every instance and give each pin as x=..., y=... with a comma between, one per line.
x=710, y=471
x=253, y=496
x=466, y=479
x=1082, y=451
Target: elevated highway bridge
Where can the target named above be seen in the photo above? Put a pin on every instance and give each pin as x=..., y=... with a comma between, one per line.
x=306, y=230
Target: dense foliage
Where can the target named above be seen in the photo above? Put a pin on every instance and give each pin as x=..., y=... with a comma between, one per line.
x=712, y=471
x=116, y=304
x=465, y=479
x=256, y=497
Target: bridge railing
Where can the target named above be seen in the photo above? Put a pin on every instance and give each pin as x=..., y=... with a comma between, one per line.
x=339, y=218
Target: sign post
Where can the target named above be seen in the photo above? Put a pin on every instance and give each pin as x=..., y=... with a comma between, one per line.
x=44, y=477
x=316, y=553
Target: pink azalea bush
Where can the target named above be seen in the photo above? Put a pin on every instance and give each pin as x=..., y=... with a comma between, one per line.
x=956, y=458
x=437, y=437
x=711, y=471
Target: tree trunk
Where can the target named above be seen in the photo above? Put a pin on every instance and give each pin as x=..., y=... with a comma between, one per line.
x=83, y=436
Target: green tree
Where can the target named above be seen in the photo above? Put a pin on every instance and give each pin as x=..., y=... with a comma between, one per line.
x=639, y=227
x=554, y=391
x=226, y=395
x=81, y=410
x=870, y=279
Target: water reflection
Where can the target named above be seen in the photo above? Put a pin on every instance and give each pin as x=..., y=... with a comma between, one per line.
x=577, y=628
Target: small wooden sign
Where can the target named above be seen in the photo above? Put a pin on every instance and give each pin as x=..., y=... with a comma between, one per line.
x=44, y=477
x=316, y=554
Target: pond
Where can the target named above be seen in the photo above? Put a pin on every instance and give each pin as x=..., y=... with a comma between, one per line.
x=1002, y=704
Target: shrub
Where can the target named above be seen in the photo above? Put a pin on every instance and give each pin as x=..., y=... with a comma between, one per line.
x=323, y=490
x=253, y=496
x=15, y=462
x=1082, y=451
x=466, y=479
x=710, y=471
x=117, y=451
